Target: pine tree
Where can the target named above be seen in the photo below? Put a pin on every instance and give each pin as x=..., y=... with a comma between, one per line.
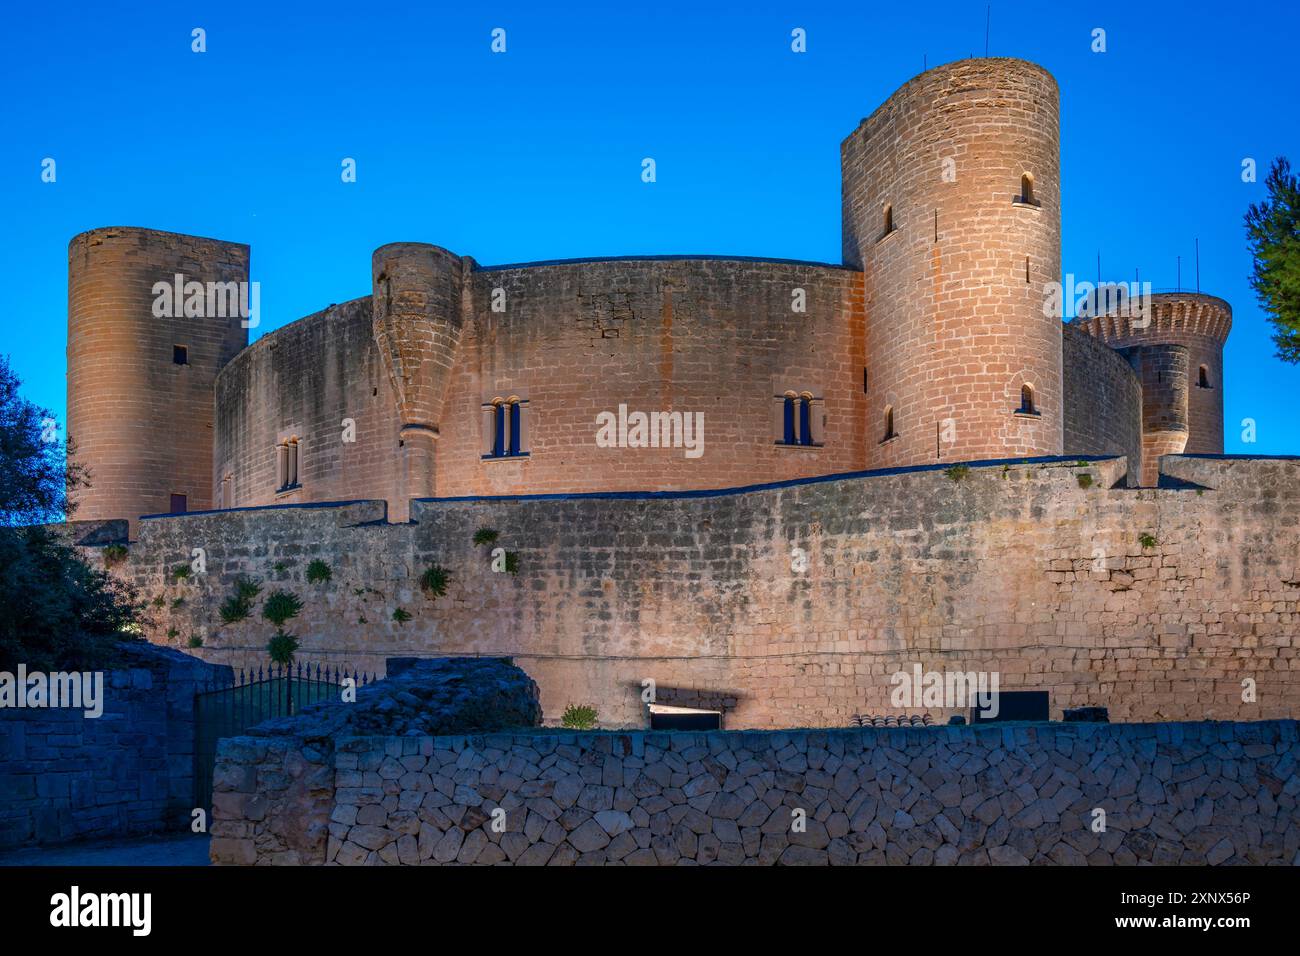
x=1273, y=228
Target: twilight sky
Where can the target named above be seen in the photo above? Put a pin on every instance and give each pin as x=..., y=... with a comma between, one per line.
x=536, y=153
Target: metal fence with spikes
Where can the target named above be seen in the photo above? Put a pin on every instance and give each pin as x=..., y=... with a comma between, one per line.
x=228, y=708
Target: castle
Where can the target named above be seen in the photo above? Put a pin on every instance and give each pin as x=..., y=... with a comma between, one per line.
x=761, y=487
x=930, y=343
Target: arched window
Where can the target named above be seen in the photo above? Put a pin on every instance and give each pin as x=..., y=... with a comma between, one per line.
x=889, y=424
x=889, y=220
x=1203, y=379
x=286, y=455
x=1027, y=400
x=805, y=420
x=787, y=432
x=504, y=420
x=1027, y=189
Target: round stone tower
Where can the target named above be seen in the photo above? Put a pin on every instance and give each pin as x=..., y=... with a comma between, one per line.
x=152, y=317
x=418, y=318
x=1174, y=341
x=951, y=207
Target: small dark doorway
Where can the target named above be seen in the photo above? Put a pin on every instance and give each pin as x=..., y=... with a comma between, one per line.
x=683, y=718
x=1015, y=705
x=179, y=505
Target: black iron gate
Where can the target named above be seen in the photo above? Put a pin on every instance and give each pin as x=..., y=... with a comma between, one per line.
x=227, y=710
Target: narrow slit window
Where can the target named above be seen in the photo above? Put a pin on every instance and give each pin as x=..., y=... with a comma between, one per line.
x=787, y=435
x=180, y=355
x=514, y=428
x=888, y=220
x=889, y=424
x=805, y=421
x=498, y=429
x=1027, y=189
x=1027, y=400
x=1203, y=377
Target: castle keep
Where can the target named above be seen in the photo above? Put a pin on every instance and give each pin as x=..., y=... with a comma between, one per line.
x=454, y=396
x=930, y=344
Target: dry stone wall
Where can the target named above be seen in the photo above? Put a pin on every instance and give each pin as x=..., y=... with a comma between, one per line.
x=1069, y=794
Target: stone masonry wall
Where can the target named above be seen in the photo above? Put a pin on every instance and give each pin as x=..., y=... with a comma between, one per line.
x=64, y=776
x=1016, y=568
x=1103, y=401
x=1192, y=794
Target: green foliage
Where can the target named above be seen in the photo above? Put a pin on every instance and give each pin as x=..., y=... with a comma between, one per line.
x=239, y=605
x=181, y=572
x=1147, y=540
x=114, y=555
x=279, y=567
x=957, y=472
x=1085, y=480
x=318, y=571
x=579, y=717
x=282, y=647
x=172, y=633
x=485, y=536
x=401, y=616
x=280, y=606
x=36, y=467
x=434, y=580
x=177, y=602
x=56, y=611
x=512, y=562
x=159, y=601
x=1273, y=233
x=194, y=641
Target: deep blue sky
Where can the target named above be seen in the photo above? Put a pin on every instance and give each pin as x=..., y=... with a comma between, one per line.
x=535, y=154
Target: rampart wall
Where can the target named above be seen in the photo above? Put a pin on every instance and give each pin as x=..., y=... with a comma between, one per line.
x=796, y=603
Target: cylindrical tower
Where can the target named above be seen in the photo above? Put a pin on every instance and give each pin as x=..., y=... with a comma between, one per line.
x=418, y=318
x=152, y=317
x=1174, y=340
x=952, y=209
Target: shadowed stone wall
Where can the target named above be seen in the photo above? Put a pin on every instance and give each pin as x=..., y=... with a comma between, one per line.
x=1069, y=794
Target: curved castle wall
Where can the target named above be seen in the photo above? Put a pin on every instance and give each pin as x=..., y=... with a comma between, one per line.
x=955, y=267
x=1103, y=401
x=141, y=421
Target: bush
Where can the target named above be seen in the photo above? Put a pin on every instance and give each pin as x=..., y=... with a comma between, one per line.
x=239, y=605
x=434, y=580
x=181, y=572
x=957, y=472
x=280, y=606
x=194, y=641
x=1147, y=540
x=512, y=562
x=1085, y=480
x=282, y=647
x=318, y=571
x=114, y=555
x=56, y=611
x=401, y=616
x=485, y=536
x=579, y=717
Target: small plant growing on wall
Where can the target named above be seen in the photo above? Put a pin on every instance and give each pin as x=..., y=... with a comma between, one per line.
x=159, y=601
x=281, y=648
x=280, y=566
x=401, y=615
x=239, y=605
x=177, y=602
x=957, y=472
x=1146, y=540
x=181, y=572
x=434, y=580
x=579, y=717
x=279, y=607
x=1085, y=480
x=512, y=562
x=114, y=555
x=172, y=633
x=194, y=641
x=485, y=536
x=318, y=571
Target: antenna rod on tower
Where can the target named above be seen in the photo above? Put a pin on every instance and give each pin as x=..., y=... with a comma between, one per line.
x=1198, y=265
x=1180, y=273
x=988, y=15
